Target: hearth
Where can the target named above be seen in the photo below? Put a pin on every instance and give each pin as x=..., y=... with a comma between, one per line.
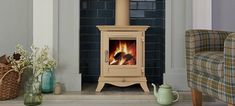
x=122, y=51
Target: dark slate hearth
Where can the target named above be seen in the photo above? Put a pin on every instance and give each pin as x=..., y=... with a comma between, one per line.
x=101, y=12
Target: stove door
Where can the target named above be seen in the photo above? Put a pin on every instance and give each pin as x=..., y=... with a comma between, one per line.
x=123, y=54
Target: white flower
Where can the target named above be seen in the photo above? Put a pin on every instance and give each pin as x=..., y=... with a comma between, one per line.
x=38, y=59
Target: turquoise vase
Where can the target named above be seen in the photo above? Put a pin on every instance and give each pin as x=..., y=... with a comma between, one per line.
x=47, y=81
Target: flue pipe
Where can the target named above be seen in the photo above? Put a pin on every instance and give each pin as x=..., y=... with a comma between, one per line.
x=122, y=17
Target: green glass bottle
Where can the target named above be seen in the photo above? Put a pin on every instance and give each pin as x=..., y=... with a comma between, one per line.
x=32, y=92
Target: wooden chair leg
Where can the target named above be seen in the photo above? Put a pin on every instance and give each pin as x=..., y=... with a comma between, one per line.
x=231, y=105
x=196, y=97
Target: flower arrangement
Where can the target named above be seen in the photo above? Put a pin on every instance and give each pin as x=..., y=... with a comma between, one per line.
x=22, y=63
x=41, y=60
x=38, y=60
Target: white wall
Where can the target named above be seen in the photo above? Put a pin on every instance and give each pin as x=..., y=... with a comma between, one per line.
x=202, y=14
x=15, y=24
x=182, y=15
x=68, y=45
x=178, y=19
x=56, y=24
x=223, y=12
x=43, y=23
x=178, y=33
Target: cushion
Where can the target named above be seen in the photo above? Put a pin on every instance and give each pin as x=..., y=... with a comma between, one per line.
x=211, y=63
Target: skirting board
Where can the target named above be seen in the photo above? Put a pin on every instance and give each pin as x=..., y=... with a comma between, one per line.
x=178, y=80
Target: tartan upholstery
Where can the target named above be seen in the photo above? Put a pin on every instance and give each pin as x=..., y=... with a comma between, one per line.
x=211, y=63
x=210, y=58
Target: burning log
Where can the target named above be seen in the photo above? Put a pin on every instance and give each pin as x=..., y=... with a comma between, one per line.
x=121, y=58
x=129, y=59
x=119, y=55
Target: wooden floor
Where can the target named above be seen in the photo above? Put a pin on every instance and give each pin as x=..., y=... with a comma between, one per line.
x=110, y=96
x=76, y=99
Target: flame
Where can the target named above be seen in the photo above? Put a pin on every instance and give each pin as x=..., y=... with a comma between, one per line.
x=124, y=47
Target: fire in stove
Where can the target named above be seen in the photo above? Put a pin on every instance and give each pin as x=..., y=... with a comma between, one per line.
x=122, y=52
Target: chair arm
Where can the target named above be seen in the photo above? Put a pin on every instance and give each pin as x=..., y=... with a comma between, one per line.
x=229, y=60
x=203, y=40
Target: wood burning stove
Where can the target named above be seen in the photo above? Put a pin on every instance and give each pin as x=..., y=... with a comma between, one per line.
x=122, y=51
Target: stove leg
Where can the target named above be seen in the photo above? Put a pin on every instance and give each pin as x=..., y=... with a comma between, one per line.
x=144, y=86
x=99, y=86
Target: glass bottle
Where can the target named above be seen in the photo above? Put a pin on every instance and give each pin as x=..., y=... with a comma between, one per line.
x=32, y=92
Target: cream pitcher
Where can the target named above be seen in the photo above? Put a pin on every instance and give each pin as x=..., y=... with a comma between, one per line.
x=164, y=94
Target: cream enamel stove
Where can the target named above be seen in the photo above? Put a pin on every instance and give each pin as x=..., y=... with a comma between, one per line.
x=122, y=51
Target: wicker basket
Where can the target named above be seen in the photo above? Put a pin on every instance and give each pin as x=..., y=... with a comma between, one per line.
x=9, y=82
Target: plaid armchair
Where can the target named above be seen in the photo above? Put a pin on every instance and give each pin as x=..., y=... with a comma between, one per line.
x=210, y=58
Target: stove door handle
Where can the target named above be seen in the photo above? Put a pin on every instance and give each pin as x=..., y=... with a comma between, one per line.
x=106, y=56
